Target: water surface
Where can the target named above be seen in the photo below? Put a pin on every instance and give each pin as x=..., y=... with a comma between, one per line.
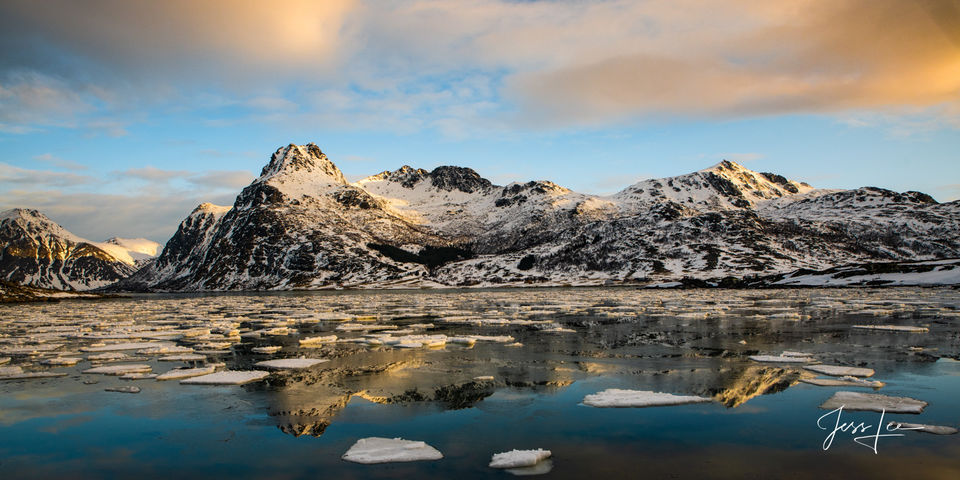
x=297, y=425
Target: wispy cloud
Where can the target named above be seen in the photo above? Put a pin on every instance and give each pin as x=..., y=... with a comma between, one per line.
x=231, y=180
x=152, y=174
x=16, y=177
x=58, y=162
x=158, y=178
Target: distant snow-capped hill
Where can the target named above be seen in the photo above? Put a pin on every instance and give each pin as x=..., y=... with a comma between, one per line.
x=302, y=225
x=132, y=251
x=40, y=253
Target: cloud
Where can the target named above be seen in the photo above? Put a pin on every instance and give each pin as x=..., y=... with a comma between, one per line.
x=804, y=56
x=475, y=65
x=17, y=177
x=222, y=179
x=271, y=104
x=58, y=162
x=174, y=39
x=158, y=178
x=152, y=174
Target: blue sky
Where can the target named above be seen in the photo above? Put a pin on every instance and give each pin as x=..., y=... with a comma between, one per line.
x=117, y=118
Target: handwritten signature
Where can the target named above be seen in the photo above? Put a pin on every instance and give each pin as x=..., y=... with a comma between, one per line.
x=870, y=440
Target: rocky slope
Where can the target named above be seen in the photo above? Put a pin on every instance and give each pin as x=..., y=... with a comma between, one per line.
x=301, y=224
x=40, y=253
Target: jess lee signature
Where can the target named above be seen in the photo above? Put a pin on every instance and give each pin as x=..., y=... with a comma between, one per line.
x=870, y=440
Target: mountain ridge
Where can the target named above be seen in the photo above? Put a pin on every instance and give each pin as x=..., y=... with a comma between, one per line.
x=301, y=225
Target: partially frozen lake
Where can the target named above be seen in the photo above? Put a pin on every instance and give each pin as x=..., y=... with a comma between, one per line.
x=475, y=373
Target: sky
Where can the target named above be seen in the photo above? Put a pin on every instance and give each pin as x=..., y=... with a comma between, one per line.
x=118, y=117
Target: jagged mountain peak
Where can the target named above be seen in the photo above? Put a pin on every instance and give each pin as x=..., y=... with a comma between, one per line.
x=761, y=185
x=35, y=222
x=208, y=207
x=535, y=186
x=447, y=178
x=23, y=213
x=465, y=179
x=725, y=166
x=298, y=160
x=722, y=186
x=406, y=176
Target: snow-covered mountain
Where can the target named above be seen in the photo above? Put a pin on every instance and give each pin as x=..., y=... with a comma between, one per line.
x=132, y=251
x=40, y=253
x=301, y=224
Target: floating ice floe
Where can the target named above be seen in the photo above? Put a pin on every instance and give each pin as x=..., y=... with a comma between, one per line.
x=493, y=338
x=846, y=381
x=165, y=350
x=614, y=397
x=181, y=373
x=277, y=332
x=354, y=327
x=30, y=349
x=290, y=363
x=227, y=377
x=840, y=371
x=185, y=357
x=310, y=341
x=124, y=389
x=12, y=369
x=266, y=350
x=519, y=458
x=782, y=358
x=483, y=378
x=138, y=376
x=113, y=347
x=893, y=328
x=120, y=369
x=61, y=361
x=414, y=341
x=873, y=402
x=106, y=357
x=29, y=375
x=558, y=329
x=919, y=427
x=384, y=450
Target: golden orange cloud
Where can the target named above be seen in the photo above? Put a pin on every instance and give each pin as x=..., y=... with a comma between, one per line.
x=794, y=56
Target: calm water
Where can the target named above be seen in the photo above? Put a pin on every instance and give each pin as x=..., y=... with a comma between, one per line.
x=297, y=425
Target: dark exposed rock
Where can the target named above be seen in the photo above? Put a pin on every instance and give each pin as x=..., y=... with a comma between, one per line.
x=459, y=178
